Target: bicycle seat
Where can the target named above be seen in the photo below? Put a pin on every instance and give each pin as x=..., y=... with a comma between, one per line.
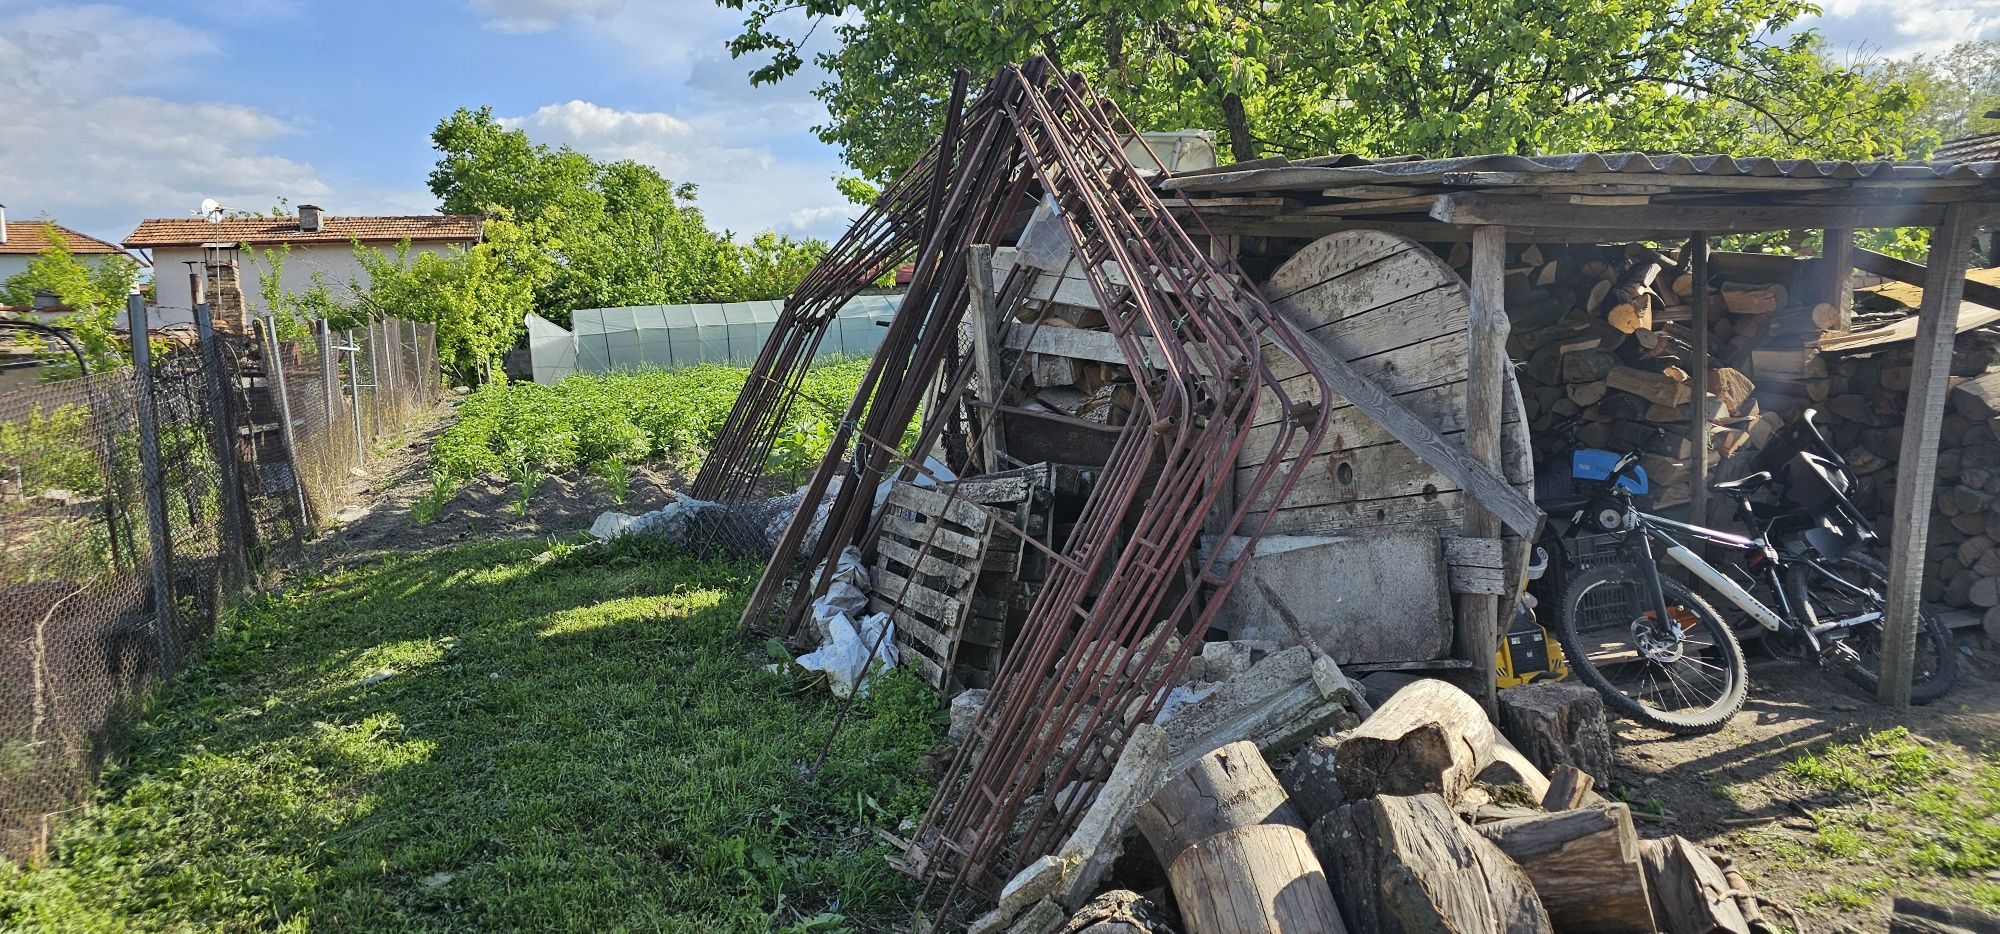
x=1745, y=486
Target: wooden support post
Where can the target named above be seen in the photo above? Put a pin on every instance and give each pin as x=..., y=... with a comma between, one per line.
x=1486, y=326
x=1923, y=422
x=980, y=315
x=1836, y=252
x=1700, y=426
x=1222, y=252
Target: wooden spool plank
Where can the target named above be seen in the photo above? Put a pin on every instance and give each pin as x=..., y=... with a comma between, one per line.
x=1398, y=314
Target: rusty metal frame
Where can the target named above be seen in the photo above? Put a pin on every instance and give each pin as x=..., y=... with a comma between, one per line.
x=1126, y=602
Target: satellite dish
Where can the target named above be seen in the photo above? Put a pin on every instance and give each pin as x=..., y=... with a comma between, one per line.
x=212, y=210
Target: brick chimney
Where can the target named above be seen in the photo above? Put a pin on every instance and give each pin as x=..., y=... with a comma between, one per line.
x=309, y=218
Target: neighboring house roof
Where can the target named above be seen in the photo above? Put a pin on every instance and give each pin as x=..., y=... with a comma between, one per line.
x=1984, y=147
x=32, y=237
x=195, y=231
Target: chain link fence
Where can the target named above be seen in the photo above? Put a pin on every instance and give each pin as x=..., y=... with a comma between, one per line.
x=181, y=476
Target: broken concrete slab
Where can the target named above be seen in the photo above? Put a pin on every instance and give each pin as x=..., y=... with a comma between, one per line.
x=1098, y=839
x=1040, y=880
x=1277, y=704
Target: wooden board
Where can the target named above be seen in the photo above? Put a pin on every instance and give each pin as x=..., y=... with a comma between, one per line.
x=1398, y=314
x=926, y=558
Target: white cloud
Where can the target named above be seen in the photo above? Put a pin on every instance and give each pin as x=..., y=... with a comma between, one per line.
x=1897, y=28
x=744, y=184
x=533, y=16
x=83, y=142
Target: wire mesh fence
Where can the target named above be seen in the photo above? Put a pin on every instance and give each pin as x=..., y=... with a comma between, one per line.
x=133, y=500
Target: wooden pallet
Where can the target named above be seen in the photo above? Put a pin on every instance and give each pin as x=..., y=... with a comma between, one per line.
x=927, y=562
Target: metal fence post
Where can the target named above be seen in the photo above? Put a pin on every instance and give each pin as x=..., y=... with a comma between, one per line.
x=374, y=377
x=152, y=478
x=275, y=357
x=236, y=534
x=353, y=352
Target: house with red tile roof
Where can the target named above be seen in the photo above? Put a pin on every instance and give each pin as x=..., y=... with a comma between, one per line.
x=22, y=240
x=232, y=252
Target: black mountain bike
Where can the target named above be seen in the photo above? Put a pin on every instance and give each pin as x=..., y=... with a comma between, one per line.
x=1661, y=655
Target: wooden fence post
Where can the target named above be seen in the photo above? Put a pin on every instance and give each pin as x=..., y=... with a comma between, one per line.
x=152, y=479
x=1923, y=422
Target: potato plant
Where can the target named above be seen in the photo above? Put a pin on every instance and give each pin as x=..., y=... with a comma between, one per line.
x=604, y=425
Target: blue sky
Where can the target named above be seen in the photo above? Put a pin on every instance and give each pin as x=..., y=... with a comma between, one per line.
x=113, y=112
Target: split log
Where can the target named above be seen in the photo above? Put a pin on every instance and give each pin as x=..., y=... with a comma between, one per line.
x=1120, y=911
x=1258, y=878
x=1226, y=789
x=1408, y=864
x=1558, y=723
x=1911, y=916
x=1511, y=767
x=1430, y=737
x=1690, y=893
x=1309, y=778
x=1746, y=299
x=1569, y=787
x=1657, y=388
x=1584, y=864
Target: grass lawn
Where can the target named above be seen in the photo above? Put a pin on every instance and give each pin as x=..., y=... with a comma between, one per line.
x=475, y=739
x=1895, y=814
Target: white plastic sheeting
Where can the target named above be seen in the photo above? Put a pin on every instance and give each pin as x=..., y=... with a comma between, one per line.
x=604, y=340
x=850, y=635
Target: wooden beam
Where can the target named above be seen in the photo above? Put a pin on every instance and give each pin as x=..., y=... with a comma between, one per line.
x=1567, y=179
x=980, y=315
x=1480, y=208
x=1923, y=422
x=1698, y=374
x=1889, y=267
x=1486, y=369
x=1306, y=226
x=1836, y=251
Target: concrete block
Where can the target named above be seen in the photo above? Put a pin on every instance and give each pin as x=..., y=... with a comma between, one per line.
x=1374, y=597
x=1276, y=704
x=1098, y=839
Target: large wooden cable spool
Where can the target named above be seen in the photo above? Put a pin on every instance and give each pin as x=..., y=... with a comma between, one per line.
x=1398, y=313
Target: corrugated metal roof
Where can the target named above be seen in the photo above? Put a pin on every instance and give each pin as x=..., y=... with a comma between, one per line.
x=1331, y=171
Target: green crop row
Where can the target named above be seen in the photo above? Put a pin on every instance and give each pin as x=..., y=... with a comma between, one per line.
x=605, y=424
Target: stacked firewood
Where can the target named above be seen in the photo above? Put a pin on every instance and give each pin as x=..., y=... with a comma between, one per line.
x=1428, y=818
x=1865, y=413
x=1602, y=341
x=1069, y=383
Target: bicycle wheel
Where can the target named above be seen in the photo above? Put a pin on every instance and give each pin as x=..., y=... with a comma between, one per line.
x=1933, y=670
x=1686, y=678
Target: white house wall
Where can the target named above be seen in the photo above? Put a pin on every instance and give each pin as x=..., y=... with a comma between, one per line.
x=334, y=262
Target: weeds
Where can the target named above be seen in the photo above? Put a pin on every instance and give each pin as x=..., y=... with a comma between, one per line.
x=425, y=510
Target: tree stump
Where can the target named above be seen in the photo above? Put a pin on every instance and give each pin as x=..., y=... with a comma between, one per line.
x=1252, y=879
x=1558, y=723
x=1228, y=788
x=1119, y=911
x=1585, y=866
x=1309, y=779
x=1408, y=865
x=1690, y=894
x=1430, y=738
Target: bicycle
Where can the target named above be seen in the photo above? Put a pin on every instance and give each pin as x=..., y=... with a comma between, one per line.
x=1661, y=655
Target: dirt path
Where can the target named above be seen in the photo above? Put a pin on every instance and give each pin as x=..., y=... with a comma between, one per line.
x=1734, y=791
x=376, y=515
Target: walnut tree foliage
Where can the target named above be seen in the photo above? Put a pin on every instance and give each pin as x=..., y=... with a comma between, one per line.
x=1377, y=77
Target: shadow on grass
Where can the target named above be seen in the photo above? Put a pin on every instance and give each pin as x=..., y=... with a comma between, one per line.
x=468, y=738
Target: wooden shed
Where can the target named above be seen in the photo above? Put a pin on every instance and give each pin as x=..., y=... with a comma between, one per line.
x=1494, y=217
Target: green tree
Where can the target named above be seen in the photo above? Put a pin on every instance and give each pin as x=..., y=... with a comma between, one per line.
x=94, y=291
x=1958, y=88
x=1303, y=77
x=477, y=297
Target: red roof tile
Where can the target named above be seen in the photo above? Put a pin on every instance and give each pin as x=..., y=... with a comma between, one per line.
x=30, y=237
x=194, y=231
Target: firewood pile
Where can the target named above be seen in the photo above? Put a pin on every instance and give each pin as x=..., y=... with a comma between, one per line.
x=1865, y=413
x=1602, y=338
x=1423, y=817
